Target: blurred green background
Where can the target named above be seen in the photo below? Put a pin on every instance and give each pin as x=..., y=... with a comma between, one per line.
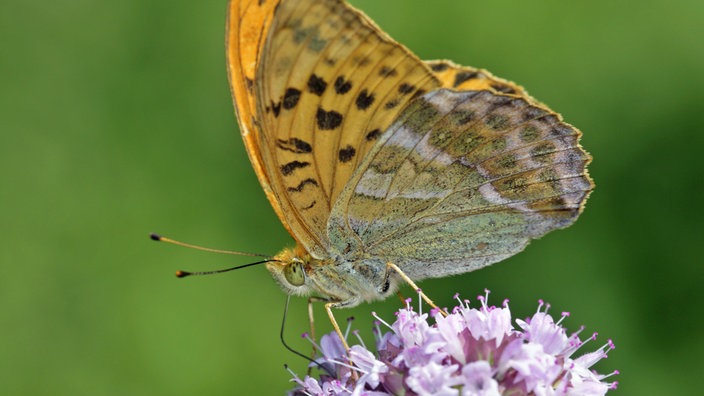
x=116, y=120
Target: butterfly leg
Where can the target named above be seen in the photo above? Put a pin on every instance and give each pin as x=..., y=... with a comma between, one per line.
x=339, y=304
x=311, y=321
x=391, y=266
x=328, y=307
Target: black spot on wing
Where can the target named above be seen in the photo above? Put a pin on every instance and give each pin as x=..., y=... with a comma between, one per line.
x=294, y=145
x=438, y=67
x=392, y=103
x=386, y=71
x=464, y=76
x=317, y=85
x=418, y=93
x=291, y=98
x=373, y=135
x=289, y=168
x=405, y=89
x=275, y=108
x=328, y=120
x=364, y=100
x=342, y=86
x=346, y=154
x=303, y=185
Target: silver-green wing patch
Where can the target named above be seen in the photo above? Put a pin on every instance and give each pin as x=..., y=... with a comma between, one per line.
x=461, y=180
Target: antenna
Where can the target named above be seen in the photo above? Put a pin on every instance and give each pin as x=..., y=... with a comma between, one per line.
x=159, y=238
x=183, y=274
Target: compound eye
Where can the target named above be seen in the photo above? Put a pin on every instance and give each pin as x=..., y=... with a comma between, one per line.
x=294, y=274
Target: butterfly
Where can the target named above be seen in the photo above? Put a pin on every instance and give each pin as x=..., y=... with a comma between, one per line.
x=386, y=168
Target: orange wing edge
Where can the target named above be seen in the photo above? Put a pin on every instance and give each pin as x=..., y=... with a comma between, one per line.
x=246, y=29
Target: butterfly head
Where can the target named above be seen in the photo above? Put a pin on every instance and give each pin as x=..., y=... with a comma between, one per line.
x=348, y=282
x=291, y=270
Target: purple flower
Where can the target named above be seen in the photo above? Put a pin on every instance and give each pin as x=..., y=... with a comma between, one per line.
x=478, y=379
x=368, y=365
x=433, y=379
x=471, y=351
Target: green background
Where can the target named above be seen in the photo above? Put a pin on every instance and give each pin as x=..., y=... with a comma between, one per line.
x=116, y=120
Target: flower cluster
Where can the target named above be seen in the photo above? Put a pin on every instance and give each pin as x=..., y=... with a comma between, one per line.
x=470, y=351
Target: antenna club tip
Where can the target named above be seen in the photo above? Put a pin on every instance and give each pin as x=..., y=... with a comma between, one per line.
x=155, y=236
x=182, y=274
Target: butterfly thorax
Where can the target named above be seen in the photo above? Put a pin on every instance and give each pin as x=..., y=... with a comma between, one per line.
x=336, y=279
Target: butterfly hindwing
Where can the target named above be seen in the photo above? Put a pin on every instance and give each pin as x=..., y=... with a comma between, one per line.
x=462, y=180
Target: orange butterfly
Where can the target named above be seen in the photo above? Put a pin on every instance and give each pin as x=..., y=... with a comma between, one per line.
x=384, y=167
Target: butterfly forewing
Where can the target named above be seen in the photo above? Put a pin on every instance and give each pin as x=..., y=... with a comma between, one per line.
x=460, y=181
x=328, y=84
